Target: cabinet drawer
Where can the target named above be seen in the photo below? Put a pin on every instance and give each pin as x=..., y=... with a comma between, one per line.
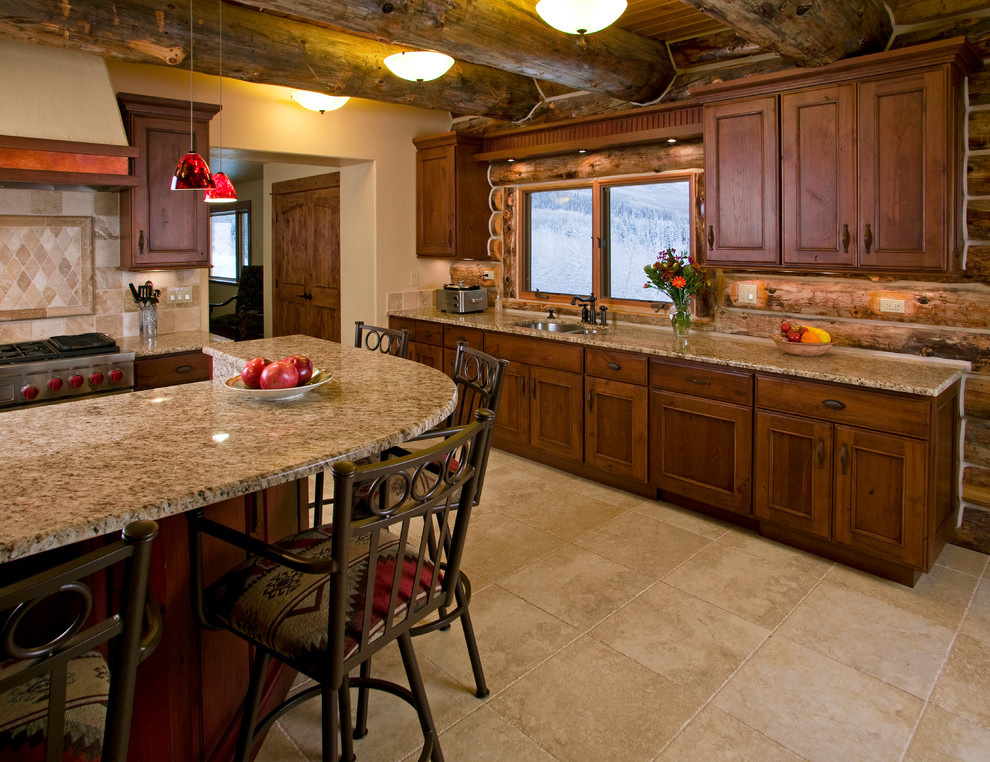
x=620, y=366
x=702, y=381
x=550, y=354
x=883, y=411
x=421, y=331
x=475, y=337
x=168, y=370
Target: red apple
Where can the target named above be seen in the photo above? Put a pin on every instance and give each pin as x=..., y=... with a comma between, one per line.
x=304, y=366
x=251, y=375
x=794, y=336
x=279, y=375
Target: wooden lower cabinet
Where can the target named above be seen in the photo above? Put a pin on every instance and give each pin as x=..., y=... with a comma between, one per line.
x=555, y=412
x=427, y=354
x=615, y=428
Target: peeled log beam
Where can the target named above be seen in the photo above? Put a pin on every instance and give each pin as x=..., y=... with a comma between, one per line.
x=262, y=48
x=806, y=33
x=503, y=34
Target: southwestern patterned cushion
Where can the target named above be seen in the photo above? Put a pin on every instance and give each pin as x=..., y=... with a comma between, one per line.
x=24, y=713
x=288, y=611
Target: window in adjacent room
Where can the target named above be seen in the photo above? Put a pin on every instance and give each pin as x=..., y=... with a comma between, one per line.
x=230, y=241
x=596, y=237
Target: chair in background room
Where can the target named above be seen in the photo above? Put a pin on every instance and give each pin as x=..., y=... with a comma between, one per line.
x=58, y=699
x=388, y=341
x=349, y=588
x=247, y=321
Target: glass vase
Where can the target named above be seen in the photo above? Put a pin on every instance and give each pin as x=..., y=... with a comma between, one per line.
x=149, y=321
x=680, y=320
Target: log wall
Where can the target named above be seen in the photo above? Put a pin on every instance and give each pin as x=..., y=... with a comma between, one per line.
x=945, y=316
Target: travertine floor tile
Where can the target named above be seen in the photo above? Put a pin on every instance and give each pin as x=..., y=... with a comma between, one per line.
x=690, y=642
x=278, y=747
x=589, y=703
x=942, y=735
x=901, y=648
x=964, y=687
x=484, y=736
x=644, y=543
x=697, y=523
x=563, y=513
x=942, y=595
x=756, y=589
x=976, y=624
x=715, y=735
x=819, y=708
x=576, y=585
x=499, y=545
x=513, y=637
x=512, y=486
x=963, y=559
x=751, y=542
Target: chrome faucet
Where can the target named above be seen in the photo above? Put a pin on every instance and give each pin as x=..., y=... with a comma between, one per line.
x=588, y=314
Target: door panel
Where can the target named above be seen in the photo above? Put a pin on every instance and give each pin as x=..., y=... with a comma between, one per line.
x=512, y=421
x=556, y=420
x=615, y=427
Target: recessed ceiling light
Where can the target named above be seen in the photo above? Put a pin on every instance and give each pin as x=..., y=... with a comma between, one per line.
x=671, y=140
x=582, y=150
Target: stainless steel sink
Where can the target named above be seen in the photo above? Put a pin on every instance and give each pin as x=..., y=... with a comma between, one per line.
x=557, y=327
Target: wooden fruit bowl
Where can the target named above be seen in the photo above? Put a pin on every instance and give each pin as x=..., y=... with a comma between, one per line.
x=800, y=348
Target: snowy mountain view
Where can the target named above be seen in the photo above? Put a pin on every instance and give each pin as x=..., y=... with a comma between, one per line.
x=642, y=220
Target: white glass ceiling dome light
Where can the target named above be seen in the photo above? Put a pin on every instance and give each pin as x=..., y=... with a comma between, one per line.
x=580, y=16
x=319, y=101
x=419, y=65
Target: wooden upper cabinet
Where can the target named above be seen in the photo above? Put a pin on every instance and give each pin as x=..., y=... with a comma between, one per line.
x=741, y=172
x=451, y=198
x=870, y=164
x=161, y=228
x=818, y=176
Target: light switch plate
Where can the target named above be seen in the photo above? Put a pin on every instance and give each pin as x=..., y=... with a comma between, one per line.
x=892, y=305
x=747, y=292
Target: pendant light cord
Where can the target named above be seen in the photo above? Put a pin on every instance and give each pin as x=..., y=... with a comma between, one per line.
x=220, y=87
x=191, y=146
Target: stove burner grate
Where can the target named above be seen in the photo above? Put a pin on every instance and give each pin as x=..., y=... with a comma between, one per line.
x=26, y=351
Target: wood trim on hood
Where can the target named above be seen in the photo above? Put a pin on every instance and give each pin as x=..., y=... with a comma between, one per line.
x=64, y=162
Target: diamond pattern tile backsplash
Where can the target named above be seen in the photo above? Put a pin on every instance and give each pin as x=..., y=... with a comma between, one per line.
x=46, y=266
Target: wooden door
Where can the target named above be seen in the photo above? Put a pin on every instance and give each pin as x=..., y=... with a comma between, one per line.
x=903, y=172
x=792, y=482
x=702, y=449
x=881, y=494
x=306, y=257
x=818, y=176
x=512, y=421
x=615, y=426
x=742, y=170
x=556, y=420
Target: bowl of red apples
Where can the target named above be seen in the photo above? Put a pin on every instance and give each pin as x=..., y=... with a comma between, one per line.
x=284, y=379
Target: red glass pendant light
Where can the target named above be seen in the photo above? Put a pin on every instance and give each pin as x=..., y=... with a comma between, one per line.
x=192, y=171
x=222, y=191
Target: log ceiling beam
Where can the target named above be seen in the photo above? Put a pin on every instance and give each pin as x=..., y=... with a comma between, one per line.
x=263, y=48
x=503, y=34
x=806, y=32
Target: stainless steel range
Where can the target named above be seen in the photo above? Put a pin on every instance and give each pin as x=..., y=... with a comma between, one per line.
x=62, y=368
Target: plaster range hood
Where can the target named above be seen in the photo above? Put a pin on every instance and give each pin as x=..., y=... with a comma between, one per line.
x=64, y=164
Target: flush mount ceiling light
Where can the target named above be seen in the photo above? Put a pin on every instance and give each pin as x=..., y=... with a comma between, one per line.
x=192, y=171
x=580, y=16
x=419, y=65
x=222, y=191
x=319, y=101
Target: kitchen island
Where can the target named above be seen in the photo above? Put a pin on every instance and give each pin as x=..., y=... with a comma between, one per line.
x=80, y=470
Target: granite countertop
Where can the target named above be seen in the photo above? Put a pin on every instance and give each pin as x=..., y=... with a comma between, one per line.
x=168, y=343
x=87, y=467
x=845, y=365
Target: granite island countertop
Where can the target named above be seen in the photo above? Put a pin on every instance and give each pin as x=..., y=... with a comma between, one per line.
x=85, y=468
x=844, y=365
x=169, y=343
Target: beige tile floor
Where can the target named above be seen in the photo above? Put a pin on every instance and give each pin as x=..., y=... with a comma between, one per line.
x=617, y=628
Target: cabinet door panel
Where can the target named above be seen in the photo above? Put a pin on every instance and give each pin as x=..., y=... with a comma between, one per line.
x=818, y=170
x=741, y=170
x=556, y=420
x=881, y=494
x=702, y=449
x=435, y=212
x=793, y=475
x=616, y=428
x=427, y=354
x=903, y=155
x=512, y=421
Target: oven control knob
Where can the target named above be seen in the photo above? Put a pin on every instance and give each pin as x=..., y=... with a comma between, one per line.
x=54, y=383
x=96, y=378
x=116, y=375
x=29, y=392
x=76, y=381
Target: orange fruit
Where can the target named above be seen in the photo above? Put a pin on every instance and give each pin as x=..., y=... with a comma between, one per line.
x=810, y=338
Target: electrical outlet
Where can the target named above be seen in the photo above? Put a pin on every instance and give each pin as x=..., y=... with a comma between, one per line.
x=747, y=292
x=488, y=274
x=892, y=305
x=413, y=279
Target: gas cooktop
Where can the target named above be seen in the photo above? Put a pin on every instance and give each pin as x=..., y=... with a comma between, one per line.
x=80, y=345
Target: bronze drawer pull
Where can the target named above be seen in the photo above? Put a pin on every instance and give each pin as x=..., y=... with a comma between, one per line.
x=711, y=237
x=845, y=238
x=834, y=404
x=844, y=459
x=140, y=242
x=183, y=368
x=868, y=238
x=699, y=381
x=821, y=452
x=614, y=366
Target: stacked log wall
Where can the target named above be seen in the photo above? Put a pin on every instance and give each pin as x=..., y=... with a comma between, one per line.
x=946, y=316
